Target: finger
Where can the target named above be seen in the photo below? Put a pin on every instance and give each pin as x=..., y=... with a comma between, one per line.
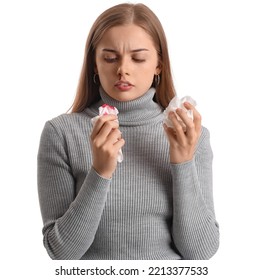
x=190, y=125
x=115, y=143
x=100, y=123
x=107, y=129
x=171, y=134
x=196, y=116
x=178, y=129
x=119, y=144
x=114, y=136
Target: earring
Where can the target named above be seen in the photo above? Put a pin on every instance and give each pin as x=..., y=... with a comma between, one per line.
x=156, y=80
x=94, y=79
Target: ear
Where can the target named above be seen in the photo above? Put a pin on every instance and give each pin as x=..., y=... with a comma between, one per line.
x=158, y=70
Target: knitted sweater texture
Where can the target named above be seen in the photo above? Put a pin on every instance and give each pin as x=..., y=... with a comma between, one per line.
x=149, y=209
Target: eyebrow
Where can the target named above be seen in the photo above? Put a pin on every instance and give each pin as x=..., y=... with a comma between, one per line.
x=132, y=51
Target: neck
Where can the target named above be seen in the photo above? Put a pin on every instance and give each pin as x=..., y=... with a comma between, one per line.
x=134, y=112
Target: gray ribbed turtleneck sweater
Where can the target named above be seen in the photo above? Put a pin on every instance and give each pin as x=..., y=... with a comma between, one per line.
x=150, y=209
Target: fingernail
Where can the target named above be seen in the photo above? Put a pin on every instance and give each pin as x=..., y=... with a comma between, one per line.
x=172, y=114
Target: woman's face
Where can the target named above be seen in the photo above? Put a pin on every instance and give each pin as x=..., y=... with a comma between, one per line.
x=126, y=62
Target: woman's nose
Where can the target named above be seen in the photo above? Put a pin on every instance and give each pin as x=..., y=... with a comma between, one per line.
x=123, y=68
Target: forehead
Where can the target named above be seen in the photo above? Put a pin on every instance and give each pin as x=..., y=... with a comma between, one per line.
x=126, y=37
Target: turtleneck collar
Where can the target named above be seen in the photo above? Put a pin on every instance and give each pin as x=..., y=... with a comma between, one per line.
x=135, y=112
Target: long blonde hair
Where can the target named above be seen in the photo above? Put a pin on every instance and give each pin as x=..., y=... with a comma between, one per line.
x=139, y=14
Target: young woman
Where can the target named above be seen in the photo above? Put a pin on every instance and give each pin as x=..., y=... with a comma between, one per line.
x=157, y=203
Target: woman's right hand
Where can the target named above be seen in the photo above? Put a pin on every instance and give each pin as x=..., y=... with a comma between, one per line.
x=106, y=141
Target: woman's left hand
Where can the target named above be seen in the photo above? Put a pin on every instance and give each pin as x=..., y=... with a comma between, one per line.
x=183, y=143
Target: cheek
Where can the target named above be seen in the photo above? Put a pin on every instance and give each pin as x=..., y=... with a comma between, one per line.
x=106, y=69
x=146, y=72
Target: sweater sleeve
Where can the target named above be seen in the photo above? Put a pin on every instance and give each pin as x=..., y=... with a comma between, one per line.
x=195, y=230
x=70, y=221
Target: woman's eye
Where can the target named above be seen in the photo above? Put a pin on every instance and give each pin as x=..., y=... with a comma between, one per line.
x=110, y=59
x=139, y=60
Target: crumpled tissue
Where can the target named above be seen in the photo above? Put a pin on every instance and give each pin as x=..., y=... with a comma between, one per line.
x=106, y=109
x=178, y=103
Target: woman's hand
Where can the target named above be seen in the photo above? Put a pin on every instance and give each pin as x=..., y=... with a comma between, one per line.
x=106, y=141
x=183, y=143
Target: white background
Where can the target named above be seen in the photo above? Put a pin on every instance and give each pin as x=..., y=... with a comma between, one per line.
x=216, y=53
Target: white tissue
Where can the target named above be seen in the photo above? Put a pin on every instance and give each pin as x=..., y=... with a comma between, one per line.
x=106, y=110
x=178, y=103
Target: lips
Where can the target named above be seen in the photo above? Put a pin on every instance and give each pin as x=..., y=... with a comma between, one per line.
x=123, y=85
